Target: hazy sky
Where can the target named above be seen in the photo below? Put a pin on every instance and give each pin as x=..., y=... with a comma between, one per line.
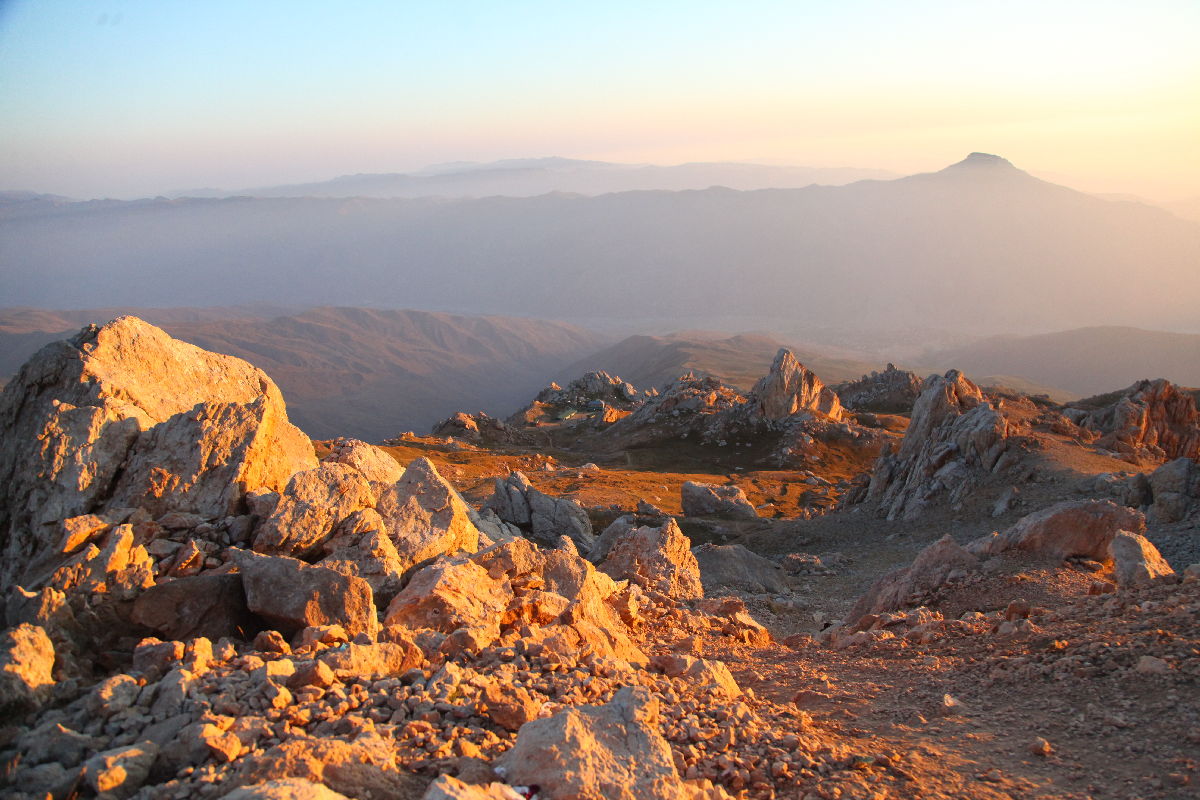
x=110, y=98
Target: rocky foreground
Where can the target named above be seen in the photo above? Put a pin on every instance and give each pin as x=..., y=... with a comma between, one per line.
x=196, y=606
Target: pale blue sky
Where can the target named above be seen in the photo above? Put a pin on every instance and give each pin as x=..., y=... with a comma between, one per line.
x=112, y=98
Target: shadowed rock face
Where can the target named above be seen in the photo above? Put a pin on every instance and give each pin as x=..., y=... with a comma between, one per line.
x=124, y=413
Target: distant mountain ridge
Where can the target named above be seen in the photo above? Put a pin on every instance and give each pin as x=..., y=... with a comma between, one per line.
x=980, y=246
x=528, y=177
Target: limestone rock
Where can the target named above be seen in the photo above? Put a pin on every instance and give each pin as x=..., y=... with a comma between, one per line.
x=372, y=463
x=361, y=547
x=1137, y=562
x=373, y=661
x=452, y=593
x=292, y=595
x=659, y=556
x=613, y=751
x=120, y=772
x=789, y=388
x=604, y=542
x=448, y=787
x=509, y=707
x=515, y=501
x=892, y=391
x=732, y=566
x=954, y=433
x=1153, y=420
x=1176, y=489
x=929, y=570
x=211, y=606
x=1075, y=528
x=493, y=530
x=26, y=663
x=703, y=499
x=80, y=410
x=425, y=517
x=285, y=789
x=312, y=506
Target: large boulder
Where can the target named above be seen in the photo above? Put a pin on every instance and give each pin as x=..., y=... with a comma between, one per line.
x=209, y=606
x=953, y=434
x=1175, y=487
x=1137, y=563
x=704, y=499
x=372, y=463
x=312, y=506
x=120, y=772
x=361, y=547
x=613, y=751
x=450, y=594
x=79, y=433
x=1075, y=528
x=929, y=570
x=425, y=517
x=26, y=663
x=515, y=501
x=292, y=595
x=789, y=388
x=731, y=566
x=660, y=558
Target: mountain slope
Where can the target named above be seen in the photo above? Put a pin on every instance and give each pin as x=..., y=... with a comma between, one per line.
x=372, y=374
x=980, y=246
x=1086, y=361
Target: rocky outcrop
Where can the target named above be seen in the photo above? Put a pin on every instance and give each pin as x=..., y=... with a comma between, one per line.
x=1175, y=488
x=931, y=568
x=361, y=547
x=1072, y=529
x=312, y=506
x=611, y=751
x=789, y=388
x=732, y=566
x=517, y=502
x=1151, y=420
x=656, y=558
x=125, y=415
x=26, y=662
x=892, y=391
x=291, y=595
x=704, y=499
x=954, y=436
x=425, y=517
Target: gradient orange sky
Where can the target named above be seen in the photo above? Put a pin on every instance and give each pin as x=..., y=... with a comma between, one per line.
x=132, y=99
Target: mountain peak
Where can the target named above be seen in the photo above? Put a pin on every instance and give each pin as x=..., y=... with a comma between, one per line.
x=983, y=161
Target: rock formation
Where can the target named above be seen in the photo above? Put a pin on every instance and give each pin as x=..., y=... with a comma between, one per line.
x=656, y=558
x=790, y=389
x=892, y=391
x=954, y=434
x=124, y=413
x=731, y=566
x=517, y=502
x=1151, y=420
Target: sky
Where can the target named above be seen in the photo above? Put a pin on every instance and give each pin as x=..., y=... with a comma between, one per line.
x=106, y=98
